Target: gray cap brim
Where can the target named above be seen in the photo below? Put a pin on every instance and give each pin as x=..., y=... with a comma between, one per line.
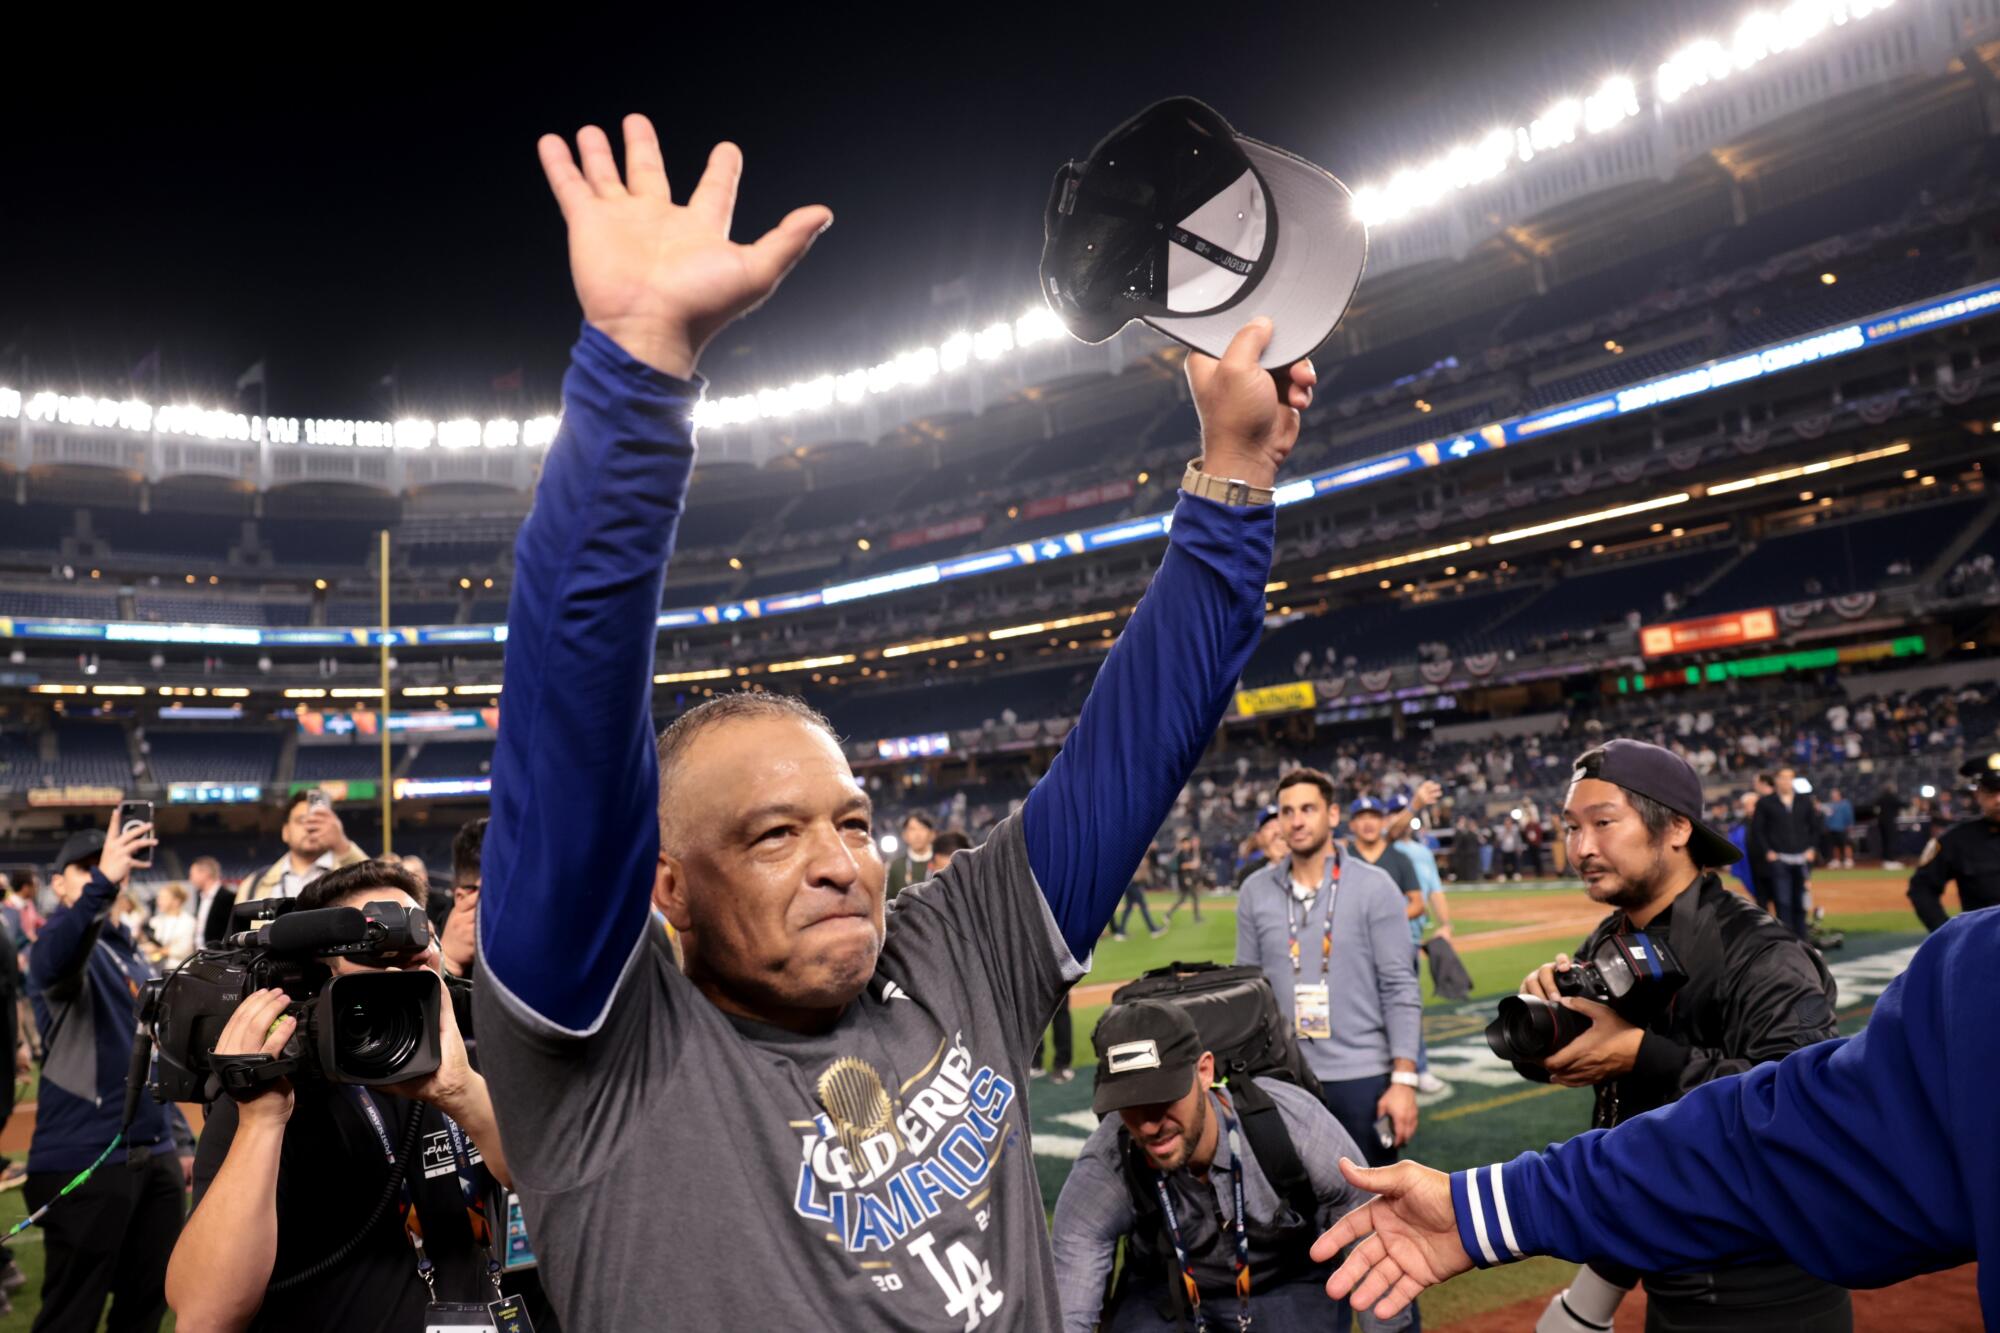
x=1322, y=248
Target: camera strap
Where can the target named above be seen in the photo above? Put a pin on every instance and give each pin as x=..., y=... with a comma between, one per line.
x=412, y=1227
x=1242, y=1254
x=469, y=1188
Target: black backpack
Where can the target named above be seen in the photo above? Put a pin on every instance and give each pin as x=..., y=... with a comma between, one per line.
x=1237, y=1016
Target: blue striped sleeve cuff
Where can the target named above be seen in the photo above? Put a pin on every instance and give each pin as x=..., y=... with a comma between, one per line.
x=1486, y=1223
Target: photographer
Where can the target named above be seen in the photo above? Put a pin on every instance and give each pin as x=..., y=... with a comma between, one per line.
x=110, y=1238
x=314, y=842
x=1752, y=992
x=288, y=1177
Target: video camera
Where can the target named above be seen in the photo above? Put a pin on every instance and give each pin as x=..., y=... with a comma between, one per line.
x=370, y=1028
x=1635, y=974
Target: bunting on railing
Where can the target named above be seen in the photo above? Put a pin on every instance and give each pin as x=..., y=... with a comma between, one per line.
x=1879, y=408
x=1960, y=389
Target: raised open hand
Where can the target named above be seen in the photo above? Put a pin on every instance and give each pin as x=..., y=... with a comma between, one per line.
x=1409, y=1238
x=660, y=278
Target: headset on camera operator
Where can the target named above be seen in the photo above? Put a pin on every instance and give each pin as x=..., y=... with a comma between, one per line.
x=1685, y=982
x=294, y=1172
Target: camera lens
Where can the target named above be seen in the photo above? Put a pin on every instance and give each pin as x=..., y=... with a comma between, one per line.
x=378, y=1027
x=1529, y=1029
x=374, y=1040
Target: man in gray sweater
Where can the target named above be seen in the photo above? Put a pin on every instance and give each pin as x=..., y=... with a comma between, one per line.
x=1331, y=933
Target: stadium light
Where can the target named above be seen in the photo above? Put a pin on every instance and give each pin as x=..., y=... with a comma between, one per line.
x=1391, y=561
x=679, y=677
x=1596, y=516
x=809, y=663
x=925, y=646
x=1760, y=35
x=1044, y=626
x=1808, y=469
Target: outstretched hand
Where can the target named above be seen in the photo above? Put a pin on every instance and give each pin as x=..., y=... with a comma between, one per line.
x=1249, y=415
x=1409, y=1238
x=660, y=278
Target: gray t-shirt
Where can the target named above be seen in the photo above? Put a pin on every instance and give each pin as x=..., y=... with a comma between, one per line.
x=681, y=1168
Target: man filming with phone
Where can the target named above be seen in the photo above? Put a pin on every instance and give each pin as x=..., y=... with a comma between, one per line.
x=1683, y=983
x=110, y=1238
x=315, y=842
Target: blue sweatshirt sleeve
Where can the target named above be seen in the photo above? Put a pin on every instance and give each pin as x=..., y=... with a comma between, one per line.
x=1863, y=1161
x=61, y=951
x=570, y=853
x=1157, y=702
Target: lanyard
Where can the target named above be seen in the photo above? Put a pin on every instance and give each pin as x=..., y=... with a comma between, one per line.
x=475, y=1203
x=1242, y=1236
x=1330, y=888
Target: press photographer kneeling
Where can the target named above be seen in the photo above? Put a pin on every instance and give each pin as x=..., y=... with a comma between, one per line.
x=1685, y=982
x=320, y=1202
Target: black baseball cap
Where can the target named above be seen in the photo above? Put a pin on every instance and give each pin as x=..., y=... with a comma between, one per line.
x=1659, y=773
x=78, y=847
x=1984, y=771
x=1177, y=220
x=1147, y=1051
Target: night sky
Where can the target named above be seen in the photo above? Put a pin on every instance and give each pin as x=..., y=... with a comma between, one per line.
x=358, y=200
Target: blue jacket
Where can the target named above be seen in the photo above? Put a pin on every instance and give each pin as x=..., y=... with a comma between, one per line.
x=84, y=978
x=1864, y=1161
x=570, y=852
x=1739, y=834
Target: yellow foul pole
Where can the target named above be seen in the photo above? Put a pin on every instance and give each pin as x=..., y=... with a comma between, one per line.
x=382, y=714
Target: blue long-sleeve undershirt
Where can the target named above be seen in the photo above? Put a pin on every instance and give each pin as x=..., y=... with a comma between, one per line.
x=570, y=853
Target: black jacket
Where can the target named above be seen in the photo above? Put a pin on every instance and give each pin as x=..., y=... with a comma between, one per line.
x=1969, y=854
x=1776, y=829
x=1754, y=992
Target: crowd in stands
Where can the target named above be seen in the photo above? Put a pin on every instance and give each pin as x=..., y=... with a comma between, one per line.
x=1894, y=752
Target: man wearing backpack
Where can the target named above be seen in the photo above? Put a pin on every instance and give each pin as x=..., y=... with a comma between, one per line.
x=1216, y=1191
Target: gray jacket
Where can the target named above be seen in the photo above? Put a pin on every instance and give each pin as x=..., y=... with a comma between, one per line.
x=1374, y=1005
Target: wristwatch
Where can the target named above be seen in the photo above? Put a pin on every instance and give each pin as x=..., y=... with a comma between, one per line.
x=1402, y=1078
x=1223, y=490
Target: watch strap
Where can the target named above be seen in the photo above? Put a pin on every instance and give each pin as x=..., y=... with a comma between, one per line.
x=1222, y=490
x=1403, y=1079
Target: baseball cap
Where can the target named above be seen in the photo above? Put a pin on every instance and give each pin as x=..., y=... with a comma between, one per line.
x=1266, y=815
x=1177, y=220
x=1146, y=1054
x=1367, y=805
x=1984, y=771
x=81, y=846
x=1659, y=773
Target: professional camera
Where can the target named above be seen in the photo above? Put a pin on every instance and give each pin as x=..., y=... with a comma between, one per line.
x=369, y=1028
x=1635, y=974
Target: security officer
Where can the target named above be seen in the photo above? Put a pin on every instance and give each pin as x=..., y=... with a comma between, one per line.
x=1968, y=853
x=1732, y=989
